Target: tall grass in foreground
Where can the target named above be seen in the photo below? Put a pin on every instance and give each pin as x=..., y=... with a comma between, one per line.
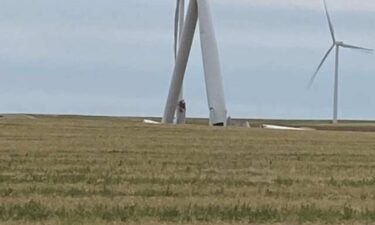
x=90, y=170
x=34, y=211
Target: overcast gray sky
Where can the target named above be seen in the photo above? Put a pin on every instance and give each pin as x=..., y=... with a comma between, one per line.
x=115, y=57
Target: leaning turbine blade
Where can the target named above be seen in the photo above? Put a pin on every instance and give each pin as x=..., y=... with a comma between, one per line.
x=181, y=62
x=176, y=28
x=181, y=18
x=320, y=66
x=358, y=48
x=329, y=21
x=211, y=65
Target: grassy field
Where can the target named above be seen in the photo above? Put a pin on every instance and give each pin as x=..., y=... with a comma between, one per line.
x=97, y=170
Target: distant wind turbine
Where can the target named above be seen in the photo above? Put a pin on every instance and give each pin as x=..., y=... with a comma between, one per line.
x=336, y=44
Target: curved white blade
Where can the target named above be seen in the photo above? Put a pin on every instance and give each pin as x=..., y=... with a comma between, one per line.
x=211, y=65
x=320, y=66
x=357, y=48
x=181, y=62
x=181, y=18
x=176, y=20
x=178, y=23
x=329, y=21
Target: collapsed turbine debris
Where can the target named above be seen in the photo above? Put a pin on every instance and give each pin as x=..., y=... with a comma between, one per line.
x=277, y=127
x=146, y=121
x=198, y=10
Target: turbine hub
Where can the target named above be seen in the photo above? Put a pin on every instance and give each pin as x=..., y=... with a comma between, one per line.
x=339, y=43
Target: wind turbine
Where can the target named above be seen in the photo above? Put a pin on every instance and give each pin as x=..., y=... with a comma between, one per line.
x=198, y=10
x=336, y=45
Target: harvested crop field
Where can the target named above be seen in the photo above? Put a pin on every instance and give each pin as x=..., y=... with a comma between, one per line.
x=101, y=170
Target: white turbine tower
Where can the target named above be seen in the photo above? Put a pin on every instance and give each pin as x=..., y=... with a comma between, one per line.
x=336, y=44
x=198, y=9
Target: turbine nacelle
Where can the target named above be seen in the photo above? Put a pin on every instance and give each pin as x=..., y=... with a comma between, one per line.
x=339, y=43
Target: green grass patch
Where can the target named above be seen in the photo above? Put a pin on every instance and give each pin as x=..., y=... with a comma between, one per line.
x=34, y=211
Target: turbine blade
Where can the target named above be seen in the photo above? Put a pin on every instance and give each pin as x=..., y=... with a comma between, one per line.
x=181, y=18
x=176, y=28
x=320, y=66
x=358, y=48
x=329, y=21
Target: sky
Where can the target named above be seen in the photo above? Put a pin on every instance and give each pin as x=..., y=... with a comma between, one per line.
x=115, y=57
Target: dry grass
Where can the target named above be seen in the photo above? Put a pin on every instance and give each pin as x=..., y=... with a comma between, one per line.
x=96, y=170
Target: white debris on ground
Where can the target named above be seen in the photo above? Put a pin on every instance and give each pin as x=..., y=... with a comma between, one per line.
x=151, y=122
x=276, y=127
